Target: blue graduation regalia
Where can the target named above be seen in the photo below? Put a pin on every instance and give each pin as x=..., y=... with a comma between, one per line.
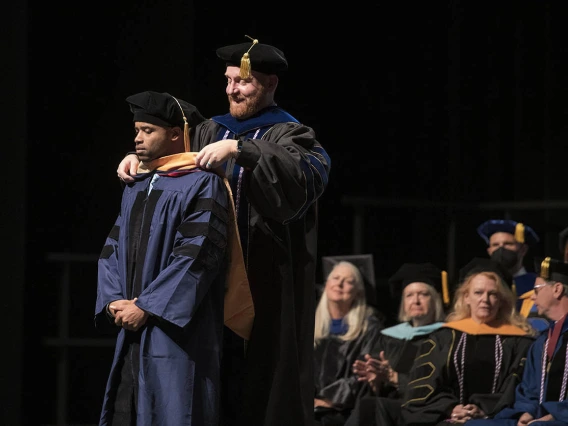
x=528, y=392
x=168, y=249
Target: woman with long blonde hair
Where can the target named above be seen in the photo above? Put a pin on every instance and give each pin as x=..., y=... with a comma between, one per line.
x=345, y=329
x=470, y=367
x=506, y=314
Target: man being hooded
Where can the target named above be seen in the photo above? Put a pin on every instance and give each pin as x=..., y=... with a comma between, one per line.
x=162, y=285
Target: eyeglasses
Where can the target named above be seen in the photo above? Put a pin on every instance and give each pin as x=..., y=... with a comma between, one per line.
x=537, y=286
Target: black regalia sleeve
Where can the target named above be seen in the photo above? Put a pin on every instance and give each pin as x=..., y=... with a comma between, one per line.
x=405, y=360
x=395, y=353
x=333, y=364
x=429, y=398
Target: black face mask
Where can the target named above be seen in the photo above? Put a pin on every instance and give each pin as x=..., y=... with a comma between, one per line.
x=507, y=258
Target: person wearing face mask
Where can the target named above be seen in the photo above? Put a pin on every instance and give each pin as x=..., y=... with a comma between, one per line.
x=508, y=243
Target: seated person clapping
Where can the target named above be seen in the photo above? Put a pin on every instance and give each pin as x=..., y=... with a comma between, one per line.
x=419, y=287
x=345, y=329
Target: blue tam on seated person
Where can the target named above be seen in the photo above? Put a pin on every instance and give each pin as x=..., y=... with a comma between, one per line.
x=508, y=243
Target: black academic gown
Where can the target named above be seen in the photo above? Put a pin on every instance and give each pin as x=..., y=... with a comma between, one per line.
x=400, y=344
x=334, y=378
x=276, y=182
x=434, y=388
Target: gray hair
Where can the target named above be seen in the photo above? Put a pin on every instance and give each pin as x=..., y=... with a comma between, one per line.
x=435, y=303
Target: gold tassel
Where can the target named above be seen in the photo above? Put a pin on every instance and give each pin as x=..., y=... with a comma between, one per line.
x=245, y=71
x=445, y=290
x=520, y=233
x=544, y=268
x=186, y=141
x=245, y=66
x=526, y=307
x=514, y=289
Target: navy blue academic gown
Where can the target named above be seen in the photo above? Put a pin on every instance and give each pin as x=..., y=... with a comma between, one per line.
x=532, y=387
x=168, y=249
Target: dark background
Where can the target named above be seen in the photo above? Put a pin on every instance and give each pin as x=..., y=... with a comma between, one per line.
x=437, y=117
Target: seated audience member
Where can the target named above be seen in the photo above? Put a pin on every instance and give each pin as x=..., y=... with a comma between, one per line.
x=345, y=329
x=508, y=243
x=540, y=398
x=474, y=359
x=419, y=287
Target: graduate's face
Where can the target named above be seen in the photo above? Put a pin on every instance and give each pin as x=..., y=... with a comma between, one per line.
x=153, y=141
x=340, y=286
x=248, y=96
x=483, y=299
x=417, y=301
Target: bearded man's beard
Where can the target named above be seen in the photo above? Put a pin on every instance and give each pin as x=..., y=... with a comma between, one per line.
x=246, y=109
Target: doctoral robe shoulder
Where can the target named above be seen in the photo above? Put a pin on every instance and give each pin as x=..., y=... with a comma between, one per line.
x=168, y=249
x=281, y=172
x=434, y=390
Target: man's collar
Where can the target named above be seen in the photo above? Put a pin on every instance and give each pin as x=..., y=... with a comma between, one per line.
x=267, y=117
